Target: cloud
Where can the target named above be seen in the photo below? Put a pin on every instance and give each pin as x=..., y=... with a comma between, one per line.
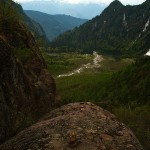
x=24, y=0
x=105, y=1
x=133, y=2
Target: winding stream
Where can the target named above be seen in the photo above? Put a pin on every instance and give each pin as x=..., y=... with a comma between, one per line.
x=95, y=64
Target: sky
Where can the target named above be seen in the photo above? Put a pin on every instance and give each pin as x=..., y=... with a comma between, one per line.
x=125, y=2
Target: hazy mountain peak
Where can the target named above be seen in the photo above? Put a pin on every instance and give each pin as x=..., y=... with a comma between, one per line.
x=116, y=3
x=84, y=11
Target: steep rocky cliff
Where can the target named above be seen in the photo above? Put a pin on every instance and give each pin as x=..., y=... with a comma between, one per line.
x=79, y=126
x=27, y=91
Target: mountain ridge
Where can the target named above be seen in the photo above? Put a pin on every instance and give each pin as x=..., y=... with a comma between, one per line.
x=84, y=11
x=34, y=27
x=54, y=25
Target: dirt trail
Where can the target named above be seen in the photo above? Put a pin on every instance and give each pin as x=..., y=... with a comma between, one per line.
x=95, y=64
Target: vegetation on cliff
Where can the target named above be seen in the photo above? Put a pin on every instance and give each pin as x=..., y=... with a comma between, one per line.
x=27, y=91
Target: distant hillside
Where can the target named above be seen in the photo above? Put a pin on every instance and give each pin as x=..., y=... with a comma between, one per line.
x=119, y=30
x=54, y=25
x=33, y=26
x=53, y=7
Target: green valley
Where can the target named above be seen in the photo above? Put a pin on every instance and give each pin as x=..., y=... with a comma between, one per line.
x=105, y=61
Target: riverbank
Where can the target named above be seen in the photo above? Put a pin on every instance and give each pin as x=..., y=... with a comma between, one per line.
x=95, y=64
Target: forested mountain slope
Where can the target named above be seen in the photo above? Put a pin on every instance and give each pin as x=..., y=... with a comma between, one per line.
x=119, y=30
x=54, y=25
x=33, y=26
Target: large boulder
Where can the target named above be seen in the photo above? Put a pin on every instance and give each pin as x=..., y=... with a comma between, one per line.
x=78, y=126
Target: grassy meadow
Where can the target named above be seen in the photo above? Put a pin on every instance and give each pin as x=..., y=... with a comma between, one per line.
x=107, y=87
x=63, y=62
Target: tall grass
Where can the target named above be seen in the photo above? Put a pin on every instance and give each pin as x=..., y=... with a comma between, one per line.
x=84, y=87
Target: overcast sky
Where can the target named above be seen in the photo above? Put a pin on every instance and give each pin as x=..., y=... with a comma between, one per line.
x=131, y=2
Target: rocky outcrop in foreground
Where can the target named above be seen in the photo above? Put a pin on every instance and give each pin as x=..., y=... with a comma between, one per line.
x=78, y=126
x=27, y=90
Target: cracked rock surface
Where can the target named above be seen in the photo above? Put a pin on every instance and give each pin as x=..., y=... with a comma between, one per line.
x=78, y=126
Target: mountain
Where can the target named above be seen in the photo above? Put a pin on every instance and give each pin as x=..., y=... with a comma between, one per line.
x=79, y=126
x=84, y=11
x=119, y=30
x=54, y=25
x=27, y=90
x=33, y=26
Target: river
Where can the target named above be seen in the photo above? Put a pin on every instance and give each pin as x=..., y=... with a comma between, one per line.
x=95, y=64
